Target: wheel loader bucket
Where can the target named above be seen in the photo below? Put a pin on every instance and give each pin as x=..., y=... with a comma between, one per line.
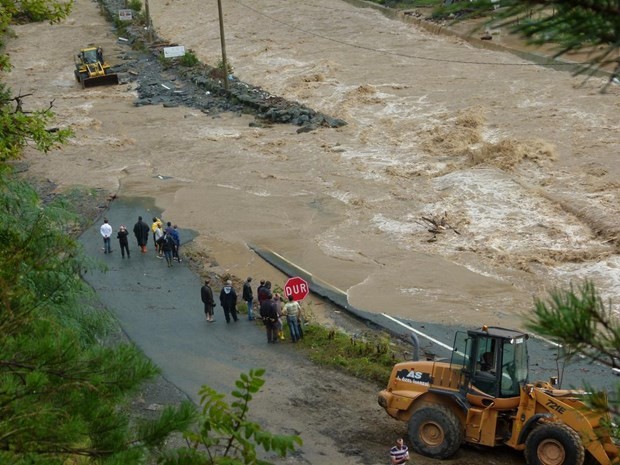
x=106, y=80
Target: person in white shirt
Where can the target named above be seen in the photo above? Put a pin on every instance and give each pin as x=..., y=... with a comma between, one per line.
x=292, y=310
x=106, y=232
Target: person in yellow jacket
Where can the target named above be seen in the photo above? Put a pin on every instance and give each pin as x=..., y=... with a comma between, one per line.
x=156, y=223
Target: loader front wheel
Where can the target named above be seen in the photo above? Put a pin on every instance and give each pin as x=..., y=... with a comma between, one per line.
x=554, y=444
x=83, y=77
x=435, y=431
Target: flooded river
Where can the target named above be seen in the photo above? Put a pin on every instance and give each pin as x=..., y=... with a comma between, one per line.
x=520, y=161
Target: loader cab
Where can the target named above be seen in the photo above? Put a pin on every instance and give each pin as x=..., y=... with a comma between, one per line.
x=494, y=361
x=89, y=55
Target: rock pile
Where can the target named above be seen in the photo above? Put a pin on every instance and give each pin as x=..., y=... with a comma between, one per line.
x=169, y=83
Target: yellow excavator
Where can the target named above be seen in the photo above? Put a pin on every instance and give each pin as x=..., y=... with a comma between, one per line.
x=483, y=397
x=91, y=69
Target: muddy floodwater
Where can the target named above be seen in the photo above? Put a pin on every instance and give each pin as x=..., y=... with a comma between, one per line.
x=520, y=160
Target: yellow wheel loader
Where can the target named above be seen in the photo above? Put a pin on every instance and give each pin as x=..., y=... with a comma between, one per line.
x=91, y=69
x=483, y=397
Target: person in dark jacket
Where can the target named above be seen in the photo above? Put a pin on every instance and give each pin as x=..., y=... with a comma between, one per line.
x=258, y=292
x=262, y=293
x=269, y=315
x=177, y=243
x=123, y=240
x=248, y=296
x=228, y=300
x=167, y=247
x=141, y=231
x=206, y=294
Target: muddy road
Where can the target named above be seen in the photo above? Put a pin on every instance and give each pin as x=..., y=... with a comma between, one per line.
x=521, y=160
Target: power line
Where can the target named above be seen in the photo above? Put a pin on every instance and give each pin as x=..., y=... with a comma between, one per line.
x=387, y=52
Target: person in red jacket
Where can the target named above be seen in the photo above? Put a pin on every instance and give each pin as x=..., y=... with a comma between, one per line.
x=269, y=315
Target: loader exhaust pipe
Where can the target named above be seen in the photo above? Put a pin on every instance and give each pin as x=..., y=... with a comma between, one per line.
x=416, y=346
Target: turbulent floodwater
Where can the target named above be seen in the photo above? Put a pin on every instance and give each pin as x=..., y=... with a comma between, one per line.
x=520, y=160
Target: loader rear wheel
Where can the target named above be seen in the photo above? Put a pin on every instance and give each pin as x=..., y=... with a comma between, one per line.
x=554, y=444
x=435, y=431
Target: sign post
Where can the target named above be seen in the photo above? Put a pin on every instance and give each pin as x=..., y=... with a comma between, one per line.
x=297, y=287
x=172, y=52
x=125, y=15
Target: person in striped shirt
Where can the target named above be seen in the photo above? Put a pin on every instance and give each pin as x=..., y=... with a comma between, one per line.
x=399, y=453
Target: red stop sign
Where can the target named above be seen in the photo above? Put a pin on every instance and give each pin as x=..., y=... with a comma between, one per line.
x=296, y=287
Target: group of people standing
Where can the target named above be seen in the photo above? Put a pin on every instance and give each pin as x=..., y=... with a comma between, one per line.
x=270, y=307
x=228, y=301
x=167, y=241
x=272, y=311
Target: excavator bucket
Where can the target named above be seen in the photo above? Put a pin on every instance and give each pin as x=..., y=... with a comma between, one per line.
x=105, y=80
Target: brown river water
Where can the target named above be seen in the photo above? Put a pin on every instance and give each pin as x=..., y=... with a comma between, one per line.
x=522, y=160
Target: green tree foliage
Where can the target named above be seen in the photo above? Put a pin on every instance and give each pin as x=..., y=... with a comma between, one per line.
x=63, y=383
x=590, y=26
x=18, y=126
x=585, y=325
x=60, y=386
x=36, y=10
x=225, y=435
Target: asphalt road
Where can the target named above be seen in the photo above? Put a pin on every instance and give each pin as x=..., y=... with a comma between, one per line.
x=160, y=309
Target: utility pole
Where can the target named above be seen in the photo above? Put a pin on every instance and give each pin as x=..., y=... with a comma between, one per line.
x=149, y=33
x=223, y=41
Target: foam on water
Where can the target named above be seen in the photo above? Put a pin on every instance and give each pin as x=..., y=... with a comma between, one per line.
x=530, y=103
x=502, y=209
x=229, y=186
x=588, y=119
x=604, y=273
x=332, y=249
x=278, y=61
x=215, y=133
x=344, y=197
x=260, y=193
x=393, y=226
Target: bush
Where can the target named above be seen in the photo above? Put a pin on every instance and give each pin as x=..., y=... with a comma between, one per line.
x=135, y=5
x=189, y=59
x=229, y=67
x=165, y=63
x=366, y=356
x=224, y=434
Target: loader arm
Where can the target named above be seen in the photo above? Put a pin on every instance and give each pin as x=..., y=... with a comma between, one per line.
x=546, y=405
x=95, y=69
